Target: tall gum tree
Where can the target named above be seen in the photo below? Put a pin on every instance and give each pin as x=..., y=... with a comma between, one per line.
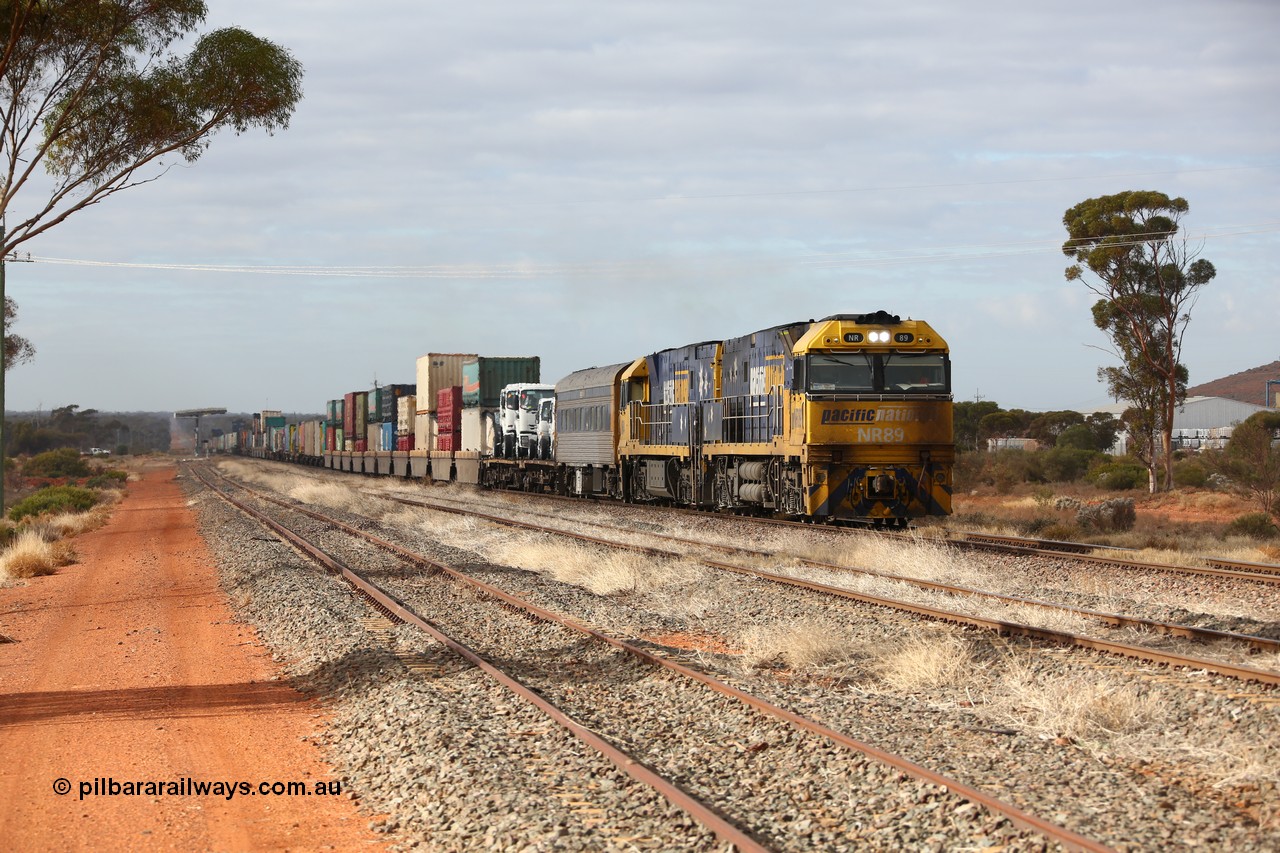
x=92, y=92
x=1147, y=281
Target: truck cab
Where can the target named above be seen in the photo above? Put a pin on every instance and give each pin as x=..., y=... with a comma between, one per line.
x=520, y=417
x=546, y=427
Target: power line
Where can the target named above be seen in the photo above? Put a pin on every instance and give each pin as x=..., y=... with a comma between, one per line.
x=525, y=271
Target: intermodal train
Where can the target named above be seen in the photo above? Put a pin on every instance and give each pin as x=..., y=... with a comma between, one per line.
x=848, y=418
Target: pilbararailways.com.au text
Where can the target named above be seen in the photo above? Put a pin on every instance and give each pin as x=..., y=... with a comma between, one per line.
x=188, y=787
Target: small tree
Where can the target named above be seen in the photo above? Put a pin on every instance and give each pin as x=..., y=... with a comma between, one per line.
x=1251, y=460
x=1105, y=427
x=90, y=92
x=1147, y=283
x=17, y=349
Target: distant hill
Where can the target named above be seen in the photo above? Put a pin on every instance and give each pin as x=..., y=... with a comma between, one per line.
x=1247, y=386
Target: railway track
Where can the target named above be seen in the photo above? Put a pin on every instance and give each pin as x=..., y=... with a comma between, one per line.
x=737, y=828
x=999, y=626
x=1264, y=573
x=974, y=730
x=1218, y=568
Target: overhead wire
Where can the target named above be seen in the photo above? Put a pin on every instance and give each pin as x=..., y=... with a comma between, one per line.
x=525, y=271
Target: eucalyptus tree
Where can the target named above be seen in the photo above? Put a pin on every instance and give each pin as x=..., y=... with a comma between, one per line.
x=1126, y=252
x=95, y=99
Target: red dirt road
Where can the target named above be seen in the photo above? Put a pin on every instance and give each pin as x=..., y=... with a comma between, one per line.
x=128, y=667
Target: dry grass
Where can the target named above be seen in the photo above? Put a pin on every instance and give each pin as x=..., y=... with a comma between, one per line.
x=799, y=646
x=927, y=663
x=1094, y=708
x=67, y=524
x=599, y=572
x=31, y=555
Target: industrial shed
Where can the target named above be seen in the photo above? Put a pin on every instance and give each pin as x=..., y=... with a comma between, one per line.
x=1205, y=413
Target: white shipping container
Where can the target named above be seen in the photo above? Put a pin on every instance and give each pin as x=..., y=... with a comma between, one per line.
x=406, y=410
x=437, y=370
x=423, y=437
x=479, y=430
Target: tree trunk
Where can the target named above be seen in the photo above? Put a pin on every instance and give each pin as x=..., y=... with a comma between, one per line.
x=1152, y=480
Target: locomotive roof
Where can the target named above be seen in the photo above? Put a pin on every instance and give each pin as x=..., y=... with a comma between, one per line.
x=592, y=377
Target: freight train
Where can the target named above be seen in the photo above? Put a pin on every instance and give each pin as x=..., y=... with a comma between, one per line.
x=848, y=418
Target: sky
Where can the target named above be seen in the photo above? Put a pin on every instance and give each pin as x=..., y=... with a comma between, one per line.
x=590, y=182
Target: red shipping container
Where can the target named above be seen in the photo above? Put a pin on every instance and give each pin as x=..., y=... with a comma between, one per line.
x=449, y=441
x=404, y=442
x=449, y=408
x=362, y=445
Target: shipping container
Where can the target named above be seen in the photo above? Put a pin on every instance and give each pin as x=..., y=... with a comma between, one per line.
x=404, y=442
x=354, y=413
x=449, y=441
x=435, y=371
x=483, y=377
x=422, y=429
x=406, y=411
x=449, y=408
x=373, y=406
x=333, y=412
x=391, y=397
x=480, y=430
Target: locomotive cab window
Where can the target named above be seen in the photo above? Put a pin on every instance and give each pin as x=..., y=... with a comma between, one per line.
x=915, y=373
x=879, y=373
x=840, y=372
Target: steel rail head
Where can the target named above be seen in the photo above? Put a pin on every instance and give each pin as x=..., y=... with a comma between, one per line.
x=1067, y=838
x=1113, y=619
x=1240, y=671
x=713, y=820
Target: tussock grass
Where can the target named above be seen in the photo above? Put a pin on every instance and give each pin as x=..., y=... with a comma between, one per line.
x=800, y=646
x=31, y=556
x=1092, y=707
x=602, y=573
x=67, y=524
x=928, y=662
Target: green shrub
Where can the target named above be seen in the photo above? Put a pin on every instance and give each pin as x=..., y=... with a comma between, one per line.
x=1118, y=476
x=107, y=479
x=1190, y=474
x=1077, y=437
x=64, y=462
x=53, y=499
x=1064, y=464
x=1255, y=525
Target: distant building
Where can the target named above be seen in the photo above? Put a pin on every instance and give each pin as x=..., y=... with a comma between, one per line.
x=1207, y=422
x=1012, y=444
x=1200, y=423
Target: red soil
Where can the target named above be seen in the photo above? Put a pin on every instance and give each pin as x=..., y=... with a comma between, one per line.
x=128, y=666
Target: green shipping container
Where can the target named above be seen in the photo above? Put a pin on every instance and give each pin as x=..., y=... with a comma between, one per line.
x=374, y=406
x=483, y=377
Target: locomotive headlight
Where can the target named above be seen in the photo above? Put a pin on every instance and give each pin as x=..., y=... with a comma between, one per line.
x=879, y=337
